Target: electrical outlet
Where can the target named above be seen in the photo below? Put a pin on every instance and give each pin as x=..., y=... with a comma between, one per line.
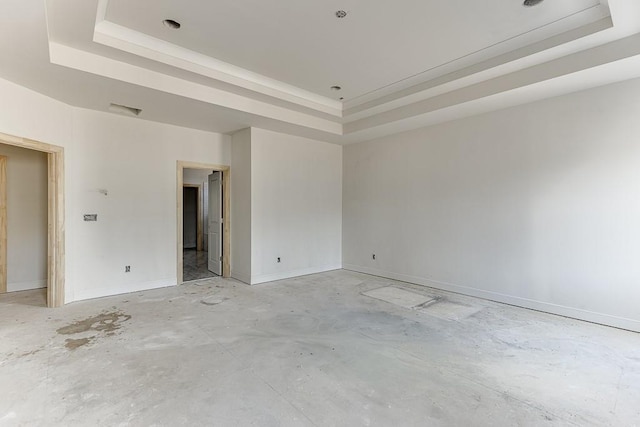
x=373, y=256
x=127, y=269
x=278, y=259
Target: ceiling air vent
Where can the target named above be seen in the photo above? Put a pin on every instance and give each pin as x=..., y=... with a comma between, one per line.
x=123, y=109
x=170, y=23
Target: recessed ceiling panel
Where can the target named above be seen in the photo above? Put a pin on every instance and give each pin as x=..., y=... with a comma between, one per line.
x=377, y=43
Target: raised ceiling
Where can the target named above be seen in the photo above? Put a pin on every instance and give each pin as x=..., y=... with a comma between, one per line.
x=378, y=43
x=234, y=64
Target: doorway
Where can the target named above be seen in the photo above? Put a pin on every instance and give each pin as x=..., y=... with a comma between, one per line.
x=194, y=215
x=203, y=226
x=23, y=205
x=55, y=218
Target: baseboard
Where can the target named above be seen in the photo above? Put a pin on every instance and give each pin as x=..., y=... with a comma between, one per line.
x=561, y=310
x=293, y=273
x=244, y=278
x=26, y=286
x=85, y=294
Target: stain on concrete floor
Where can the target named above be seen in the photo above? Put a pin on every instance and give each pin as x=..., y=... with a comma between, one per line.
x=106, y=323
x=30, y=353
x=75, y=344
x=313, y=351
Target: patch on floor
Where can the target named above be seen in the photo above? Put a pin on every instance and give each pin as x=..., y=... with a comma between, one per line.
x=106, y=323
x=397, y=296
x=213, y=300
x=448, y=310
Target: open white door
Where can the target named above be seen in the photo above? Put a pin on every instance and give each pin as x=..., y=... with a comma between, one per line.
x=215, y=223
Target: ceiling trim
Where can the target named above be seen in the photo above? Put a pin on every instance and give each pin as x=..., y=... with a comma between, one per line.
x=99, y=65
x=140, y=44
x=607, y=73
x=543, y=51
x=607, y=44
x=570, y=65
x=585, y=22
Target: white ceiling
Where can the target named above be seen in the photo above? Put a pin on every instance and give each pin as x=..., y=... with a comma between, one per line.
x=270, y=64
x=378, y=44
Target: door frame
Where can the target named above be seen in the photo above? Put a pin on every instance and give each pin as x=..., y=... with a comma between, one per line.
x=199, y=219
x=3, y=224
x=226, y=228
x=55, y=213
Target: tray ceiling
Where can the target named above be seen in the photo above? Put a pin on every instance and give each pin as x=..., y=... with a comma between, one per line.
x=376, y=45
x=233, y=64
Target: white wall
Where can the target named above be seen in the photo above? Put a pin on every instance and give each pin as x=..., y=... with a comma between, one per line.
x=29, y=114
x=26, y=218
x=296, y=207
x=135, y=161
x=241, y=206
x=537, y=205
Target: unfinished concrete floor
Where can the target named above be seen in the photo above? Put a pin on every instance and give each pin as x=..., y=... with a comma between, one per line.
x=311, y=351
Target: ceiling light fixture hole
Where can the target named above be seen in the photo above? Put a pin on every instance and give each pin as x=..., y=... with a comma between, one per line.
x=341, y=14
x=530, y=3
x=174, y=25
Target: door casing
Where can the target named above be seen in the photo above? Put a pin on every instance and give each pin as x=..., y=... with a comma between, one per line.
x=216, y=222
x=55, y=213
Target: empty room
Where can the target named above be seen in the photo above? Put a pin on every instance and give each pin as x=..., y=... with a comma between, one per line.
x=331, y=213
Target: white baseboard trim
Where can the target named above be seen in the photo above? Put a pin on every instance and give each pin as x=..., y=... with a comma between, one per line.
x=26, y=286
x=561, y=310
x=244, y=278
x=293, y=273
x=85, y=294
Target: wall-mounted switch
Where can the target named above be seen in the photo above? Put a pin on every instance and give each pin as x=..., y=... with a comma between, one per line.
x=91, y=217
x=127, y=269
